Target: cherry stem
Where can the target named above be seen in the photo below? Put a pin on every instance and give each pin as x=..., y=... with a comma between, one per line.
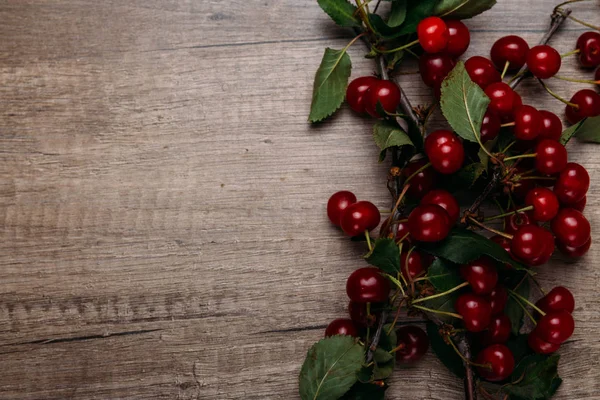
x=424, y=167
x=540, y=288
x=506, y=65
x=524, y=309
x=364, y=16
x=376, y=337
x=431, y=310
x=404, y=47
x=557, y=97
x=530, y=155
x=564, y=78
x=435, y=296
x=396, y=317
x=525, y=301
x=570, y=53
x=506, y=214
x=568, y=2
x=487, y=228
x=465, y=359
x=395, y=282
x=584, y=23
x=399, y=347
x=507, y=124
x=544, y=178
x=368, y=237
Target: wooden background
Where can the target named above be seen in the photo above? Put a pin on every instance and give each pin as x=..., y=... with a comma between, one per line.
x=162, y=223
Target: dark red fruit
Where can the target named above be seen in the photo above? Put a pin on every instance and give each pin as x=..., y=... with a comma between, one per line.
x=385, y=93
x=499, y=360
x=544, y=202
x=337, y=203
x=481, y=275
x=414, y=342
x=514, y=222
x=402, y=232
x=551, y=127
x=445, y=200
x=588, y=105
x=572, y=184
x=502, y=99
x=434, y=68
x=558, y=299
x=360, y=217
x=543, y=61
x=498, y=331
x=482, y=71
x=528, y=123
x=429, y=223
x=540, y=346
x=459, y=38
x=588, y=45
x=367, y=285
x=358, y=314
x=580, y=205
x=356, y=91
x=341, y=326
x=411, y=265
x=433, y=34
x=445, y=151
x=555, y=327
x=571, y=227
x=532, y=244
x=422, y=182
x=497, y=298
x=511, y=48
x=475, y=310
x=490, y=126
x=551, y=157
x=575, y=252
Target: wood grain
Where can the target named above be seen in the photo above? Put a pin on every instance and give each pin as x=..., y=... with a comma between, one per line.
x=162, y=233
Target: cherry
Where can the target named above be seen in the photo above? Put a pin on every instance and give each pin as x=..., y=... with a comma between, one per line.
x=402, y=233
x=490, y=126
x=498, y=331
x=572, y=184
x=532, y=244
x=337, y=203
x=429, y=223
x=500, y=361
x=433, y=34
x=341, y=326
x=571, y=227
x=358, y=314
x=459, y=38
x=355, y=93
x=551, y=157
x=414, y=342
x=475, y=310
x=482, y=71
x=367, y=285
x=555, y=327
x=514, y=222
x=445, y=151
x=575, y=252
x=543, y=61
x=434, y=68
x=445, y=200
x=558, y=299
x=544, y=202
x=481, y=275
x=588, y=45
x=385, y=93
x=360, y=217
x=528, y=123
x=580, y=205
x=497, y=298
x=411, y=265
x=588, y=105
x=540, y=346
x=551, y=127
x=511, y=48
x=422, y=182
x=502, y=99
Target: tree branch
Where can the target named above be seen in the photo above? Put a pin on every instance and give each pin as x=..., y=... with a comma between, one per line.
x=376, y=337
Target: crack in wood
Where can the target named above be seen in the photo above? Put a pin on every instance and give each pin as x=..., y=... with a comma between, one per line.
x=84, y=338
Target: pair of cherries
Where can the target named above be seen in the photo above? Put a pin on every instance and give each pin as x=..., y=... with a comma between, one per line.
x=364, y=94
x=557, y=325
x=354, y=217
x=512, y=52
x=433, y=218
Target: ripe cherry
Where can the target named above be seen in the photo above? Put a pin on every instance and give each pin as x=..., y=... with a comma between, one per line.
x=551, y=157
x=481, y=275
x=360, y=217
x=540, y=346
x=528, y=123
x=497, y=298
x=498, y=331
x=433, y=34
x=572, y=184
x=544, y=202
x=532, y=244
x=514, y=222
x=411, y=265
x=543, y=61
x=475, y=310
x=434, y=68
x=482, y=71
x=502, y=99
x=552, y=126
x=414, y=344
x=429, y=223
x=445, y=200
x=337, y=203
x=558, y=299
x=459, y=38
x=571, y=227
x=588, y=105
x=511, y=48
x=341, y=326
x=356, y=91
x=490, y=126
x=588, y=45
x=575, y=252
x=555, y=327
x=422, y=182
x=402, y=233
x=367, y=285
x=358, y=314
x=580, y=205
x=445, y=151
x=385, y=93
x=499, y=360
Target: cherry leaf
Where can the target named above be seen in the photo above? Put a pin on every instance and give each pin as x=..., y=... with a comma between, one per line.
x=397, y=13
x=587, y=130
x=462, y=9
x=330, y=84
x=341, y=12
x=444, y=351
x=385, y=256
x=513, y=309
x=535, y=378
x=389, y=134
x=443, y=275
x=415, y=12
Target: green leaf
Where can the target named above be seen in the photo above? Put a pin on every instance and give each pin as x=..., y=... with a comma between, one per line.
x=342, y=12
x=330, y=368
x=444, y=275
x=463, y=9
x=331, y=80
x=465, y=178
x=388, y=134
x=463, y=103
x=444, y=303
x=513, y=310
x=519, y=347
x=397, y=14
x=570, y=132
x=383, y=29
x=365, y=391
x=384, y=361
x=444, y=351
x=415, y=12
x=536, y=378
x=587, y=130
x=385, y=256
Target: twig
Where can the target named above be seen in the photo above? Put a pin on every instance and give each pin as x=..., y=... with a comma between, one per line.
x=376, y=337
x=486, y=192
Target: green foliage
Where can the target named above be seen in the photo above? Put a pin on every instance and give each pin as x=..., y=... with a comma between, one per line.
x=513, y=310
x=444, y=351
x=385, y=256
x=398, y=13
x=587, y=130
x=415, y=12
x=330, y=84
x=444, y=275
x=341, y=12
x=535, y=378
x=389, y=134
x=462, y=9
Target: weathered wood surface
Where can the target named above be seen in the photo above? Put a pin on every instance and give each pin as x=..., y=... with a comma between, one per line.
x=162, y=225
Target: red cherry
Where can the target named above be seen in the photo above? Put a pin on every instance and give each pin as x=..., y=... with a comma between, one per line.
x=588, y=45
x=445, y=151
x=543, y=61
x=551, y=157
x=355, y=93
x=571, y=227
x=367, y=285
x=500, y=361
x=481, y=275
x=411, y=265
x=385, y=93
x=337, y=203
x=572, y=184
x=433, y=34
x=588, y=103
x=402, y=233
x=511, y=48
x=574, y=252
x=580, y=205
x=528, y=123
x=490, y=126
x=475, y=310
x=360, y=217
x=497, y=298
x=445, y=200
x=482, y=71
x=422, y=182
x=558, y=299
x=429, y=223
x=498, y=331
x=434, y=68
x=544, y=202
x=414, y=342
x=514, y=222
x=551, y=127
x=502, y=98
x=540, y=346
x=358, y=314
x=532, y=244
x=459, y=38
x=555, y=327
x=341, y=326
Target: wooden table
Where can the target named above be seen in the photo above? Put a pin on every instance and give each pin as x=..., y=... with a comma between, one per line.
x=162, y=224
